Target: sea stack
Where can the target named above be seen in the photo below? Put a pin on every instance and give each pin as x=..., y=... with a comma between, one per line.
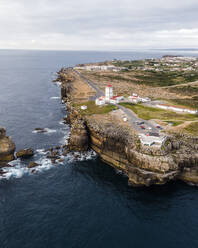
x=7, y=146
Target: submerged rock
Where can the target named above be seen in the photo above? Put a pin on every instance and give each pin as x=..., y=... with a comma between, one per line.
x=5, y=165
x=33, y=164
x=2, y=172
x=40, y=130
x=25, y=153
x=60, y=160
x=7, y=146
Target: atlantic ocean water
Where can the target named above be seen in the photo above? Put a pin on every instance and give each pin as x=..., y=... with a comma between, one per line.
x=77, y=204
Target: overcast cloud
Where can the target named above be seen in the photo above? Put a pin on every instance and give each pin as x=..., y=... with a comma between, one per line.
x=98, y=24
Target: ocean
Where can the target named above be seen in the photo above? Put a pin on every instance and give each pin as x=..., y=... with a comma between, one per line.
x=84, y=203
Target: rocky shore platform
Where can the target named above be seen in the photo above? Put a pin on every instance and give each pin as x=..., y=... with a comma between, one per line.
x=120, y=147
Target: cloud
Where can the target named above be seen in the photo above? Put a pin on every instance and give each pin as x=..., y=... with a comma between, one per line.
x=98, y=24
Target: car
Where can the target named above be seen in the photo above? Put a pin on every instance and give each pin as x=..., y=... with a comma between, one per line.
x=158, y=126
x=150, y=128
x=142, y=127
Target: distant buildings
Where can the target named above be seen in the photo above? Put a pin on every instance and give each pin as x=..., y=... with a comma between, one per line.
x=100, y=68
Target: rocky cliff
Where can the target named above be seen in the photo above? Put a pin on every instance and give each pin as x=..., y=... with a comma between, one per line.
x=7, y=146
x=122, y=149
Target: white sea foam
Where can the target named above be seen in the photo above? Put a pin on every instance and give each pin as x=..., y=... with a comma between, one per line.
x=17, y=171
x=41, y=151
x=20, y=168
x=61, y=122
x=58, y=83
x=81, y=156
x=55, y=97
x=50, y=130
x=45, y=131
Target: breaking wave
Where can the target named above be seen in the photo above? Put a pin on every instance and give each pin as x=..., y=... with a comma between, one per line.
x=19, y=168
x=55, y=97
x=45, y=131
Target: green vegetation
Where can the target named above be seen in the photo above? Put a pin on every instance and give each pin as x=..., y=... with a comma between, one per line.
x=129, y=64
x=153, y=78
x=192, y=102
x=148, y=113
x=158, y=74
x=185, y=90
x=192, y=128
x=168, y=78
x=175, y=123
x=92, y=108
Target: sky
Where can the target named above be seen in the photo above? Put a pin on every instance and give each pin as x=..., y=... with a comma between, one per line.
x=98, y=24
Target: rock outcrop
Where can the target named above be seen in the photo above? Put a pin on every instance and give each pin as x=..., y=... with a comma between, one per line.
x=79, y=137
x=7, y=146
x=25, y=153
x=33, y=164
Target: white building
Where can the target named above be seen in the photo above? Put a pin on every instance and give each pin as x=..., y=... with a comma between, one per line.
x=108, y=92
x=116, y=99
x=109, y=97
x=100, y=101
x=83, y=107
x=134, y=98
x=152, y=140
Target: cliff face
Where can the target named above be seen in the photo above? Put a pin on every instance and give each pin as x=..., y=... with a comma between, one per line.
x=143, y=165
x=120, y=148
x=7, y=147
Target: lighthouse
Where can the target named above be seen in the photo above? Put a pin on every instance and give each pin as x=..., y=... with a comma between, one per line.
x=108, y=92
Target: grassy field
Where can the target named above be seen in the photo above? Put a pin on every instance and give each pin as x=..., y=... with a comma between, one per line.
x=148, y=113
x=186, y=90
x=151, y=78
x=191, y=103
x=92, y=108
x=157, y=78
x=161, y=79
x=175, y=123
x=192, y=128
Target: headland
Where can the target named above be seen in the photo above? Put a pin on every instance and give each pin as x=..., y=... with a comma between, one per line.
x=139, y=116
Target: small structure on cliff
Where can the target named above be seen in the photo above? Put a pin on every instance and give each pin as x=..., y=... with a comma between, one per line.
x=109, y=97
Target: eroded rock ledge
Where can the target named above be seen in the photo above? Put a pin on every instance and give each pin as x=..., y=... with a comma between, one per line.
x=7, y=147
x=121, y=148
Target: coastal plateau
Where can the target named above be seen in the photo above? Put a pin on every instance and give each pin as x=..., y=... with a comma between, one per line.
x=118, y=144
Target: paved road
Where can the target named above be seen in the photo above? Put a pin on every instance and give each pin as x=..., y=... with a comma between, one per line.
x=99, y=92
x=133, y=119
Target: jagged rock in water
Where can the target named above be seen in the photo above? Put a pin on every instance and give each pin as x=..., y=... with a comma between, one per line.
x=33, y=164
x=40, y=130
x=7, y=146
x=25, y=153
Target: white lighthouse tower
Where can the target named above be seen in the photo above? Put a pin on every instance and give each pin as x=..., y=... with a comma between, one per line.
x=108, y=92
